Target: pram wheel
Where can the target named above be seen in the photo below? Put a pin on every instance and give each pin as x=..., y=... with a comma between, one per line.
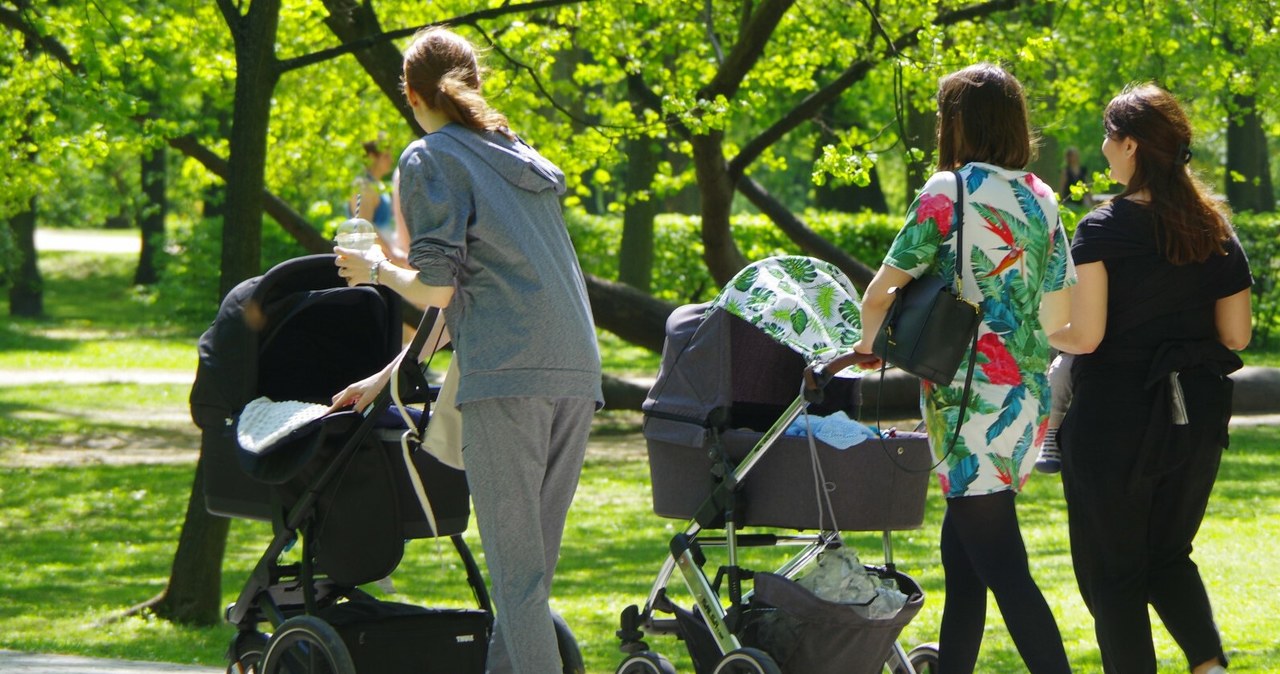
x=306, y=645
x=747, y=661
x=245, y=652
x=570, y=653
x=923, y=658
x=645, y=662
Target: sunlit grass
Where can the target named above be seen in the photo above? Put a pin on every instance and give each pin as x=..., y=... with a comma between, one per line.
x=80, y=544
x=91, y=415
x=94, y=318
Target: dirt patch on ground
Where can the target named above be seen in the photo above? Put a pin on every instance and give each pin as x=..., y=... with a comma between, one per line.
x=169, y=437
x=143, y=446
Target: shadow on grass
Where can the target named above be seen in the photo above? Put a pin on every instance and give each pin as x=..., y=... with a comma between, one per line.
x=17, y=335
x=101, y=416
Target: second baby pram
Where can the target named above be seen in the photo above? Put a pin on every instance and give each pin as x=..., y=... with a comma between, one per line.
x=716, y=424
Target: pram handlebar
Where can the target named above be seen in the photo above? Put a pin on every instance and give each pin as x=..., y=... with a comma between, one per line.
x=817, y=376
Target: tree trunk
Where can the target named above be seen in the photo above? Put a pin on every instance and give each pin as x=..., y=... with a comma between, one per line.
x=1247, y=158
x=26, y=293
x=637, y=317
x=151, y=224
x=635, y=254
x=852, y=198
x=194, y=593
x=921, y=135
x=846, y=198
x=256, y=76
x=719, y=250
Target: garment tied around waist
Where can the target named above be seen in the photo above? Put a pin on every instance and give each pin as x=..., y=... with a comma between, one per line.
x=1163, y=444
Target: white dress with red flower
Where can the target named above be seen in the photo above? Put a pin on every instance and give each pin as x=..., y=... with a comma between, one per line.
x=1017, y=251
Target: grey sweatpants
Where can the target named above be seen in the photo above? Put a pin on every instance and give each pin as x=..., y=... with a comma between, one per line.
x=523, y=458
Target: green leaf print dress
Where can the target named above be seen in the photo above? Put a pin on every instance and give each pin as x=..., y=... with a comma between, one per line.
x=1017, y=252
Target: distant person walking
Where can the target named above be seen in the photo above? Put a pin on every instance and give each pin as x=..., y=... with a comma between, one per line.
x=373, y=197
x=1074, y=173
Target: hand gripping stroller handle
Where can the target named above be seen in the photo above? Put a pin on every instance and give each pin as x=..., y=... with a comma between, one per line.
x=817, y=376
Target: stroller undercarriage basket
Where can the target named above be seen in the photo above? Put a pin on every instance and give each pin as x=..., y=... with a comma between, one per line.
x=805, y=633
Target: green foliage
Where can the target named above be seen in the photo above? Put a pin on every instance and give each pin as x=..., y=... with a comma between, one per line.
x=679, y=274
x=1260, y=236
x=188, y=289
x=582, y=81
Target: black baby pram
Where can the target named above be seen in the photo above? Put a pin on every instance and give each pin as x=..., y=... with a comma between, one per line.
x=720, y=456
x=350, y=487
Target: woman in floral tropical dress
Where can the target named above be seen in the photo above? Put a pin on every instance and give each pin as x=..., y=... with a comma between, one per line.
x=1018, y=268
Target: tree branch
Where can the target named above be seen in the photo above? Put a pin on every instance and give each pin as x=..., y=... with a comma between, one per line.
x=811, y=104
x=709, y=18
x=289, y=220
x=470, y=19
x=14, y=19
x=230, y=14
x=809, y=241
x=747, y=51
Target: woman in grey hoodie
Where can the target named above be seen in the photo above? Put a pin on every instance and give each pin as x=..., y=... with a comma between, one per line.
x=489, y=246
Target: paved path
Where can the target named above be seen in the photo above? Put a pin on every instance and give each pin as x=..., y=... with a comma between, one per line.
x=31, y=663
x=87, y=240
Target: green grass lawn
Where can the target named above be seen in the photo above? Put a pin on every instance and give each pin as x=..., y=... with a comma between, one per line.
x=94, y=533
x=79, y=544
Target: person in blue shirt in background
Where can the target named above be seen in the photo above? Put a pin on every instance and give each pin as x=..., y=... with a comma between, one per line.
x=372, y=199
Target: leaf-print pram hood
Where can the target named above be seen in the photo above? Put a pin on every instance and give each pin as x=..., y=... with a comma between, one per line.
x=752, y=341
x=803, y=303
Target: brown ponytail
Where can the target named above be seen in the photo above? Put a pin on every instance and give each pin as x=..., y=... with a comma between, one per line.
x=441, y=67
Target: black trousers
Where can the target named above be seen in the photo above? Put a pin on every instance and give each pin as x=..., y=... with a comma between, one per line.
x=1131, y=534
x=982, y=550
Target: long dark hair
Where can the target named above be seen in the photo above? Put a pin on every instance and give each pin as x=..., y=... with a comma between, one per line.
x=982, y=116
x=1192, y=226
x=441, y=67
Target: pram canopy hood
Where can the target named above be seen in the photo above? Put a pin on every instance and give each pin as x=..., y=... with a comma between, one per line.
x=725, y=351
x=298, y=316
x=803, y=303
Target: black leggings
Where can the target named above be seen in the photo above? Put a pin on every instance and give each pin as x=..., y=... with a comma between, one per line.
x=982, y=549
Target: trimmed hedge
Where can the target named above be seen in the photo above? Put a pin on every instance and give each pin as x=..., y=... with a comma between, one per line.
x=1260, y=235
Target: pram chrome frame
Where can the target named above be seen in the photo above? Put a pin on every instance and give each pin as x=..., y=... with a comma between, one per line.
x=686, y=556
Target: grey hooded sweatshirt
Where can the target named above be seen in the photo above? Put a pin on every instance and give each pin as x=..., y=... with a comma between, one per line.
x=484, y=214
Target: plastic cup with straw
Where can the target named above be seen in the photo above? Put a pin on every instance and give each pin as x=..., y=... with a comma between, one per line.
x=356, y=232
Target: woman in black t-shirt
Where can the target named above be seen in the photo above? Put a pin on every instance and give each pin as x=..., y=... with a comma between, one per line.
x=1161, y=305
